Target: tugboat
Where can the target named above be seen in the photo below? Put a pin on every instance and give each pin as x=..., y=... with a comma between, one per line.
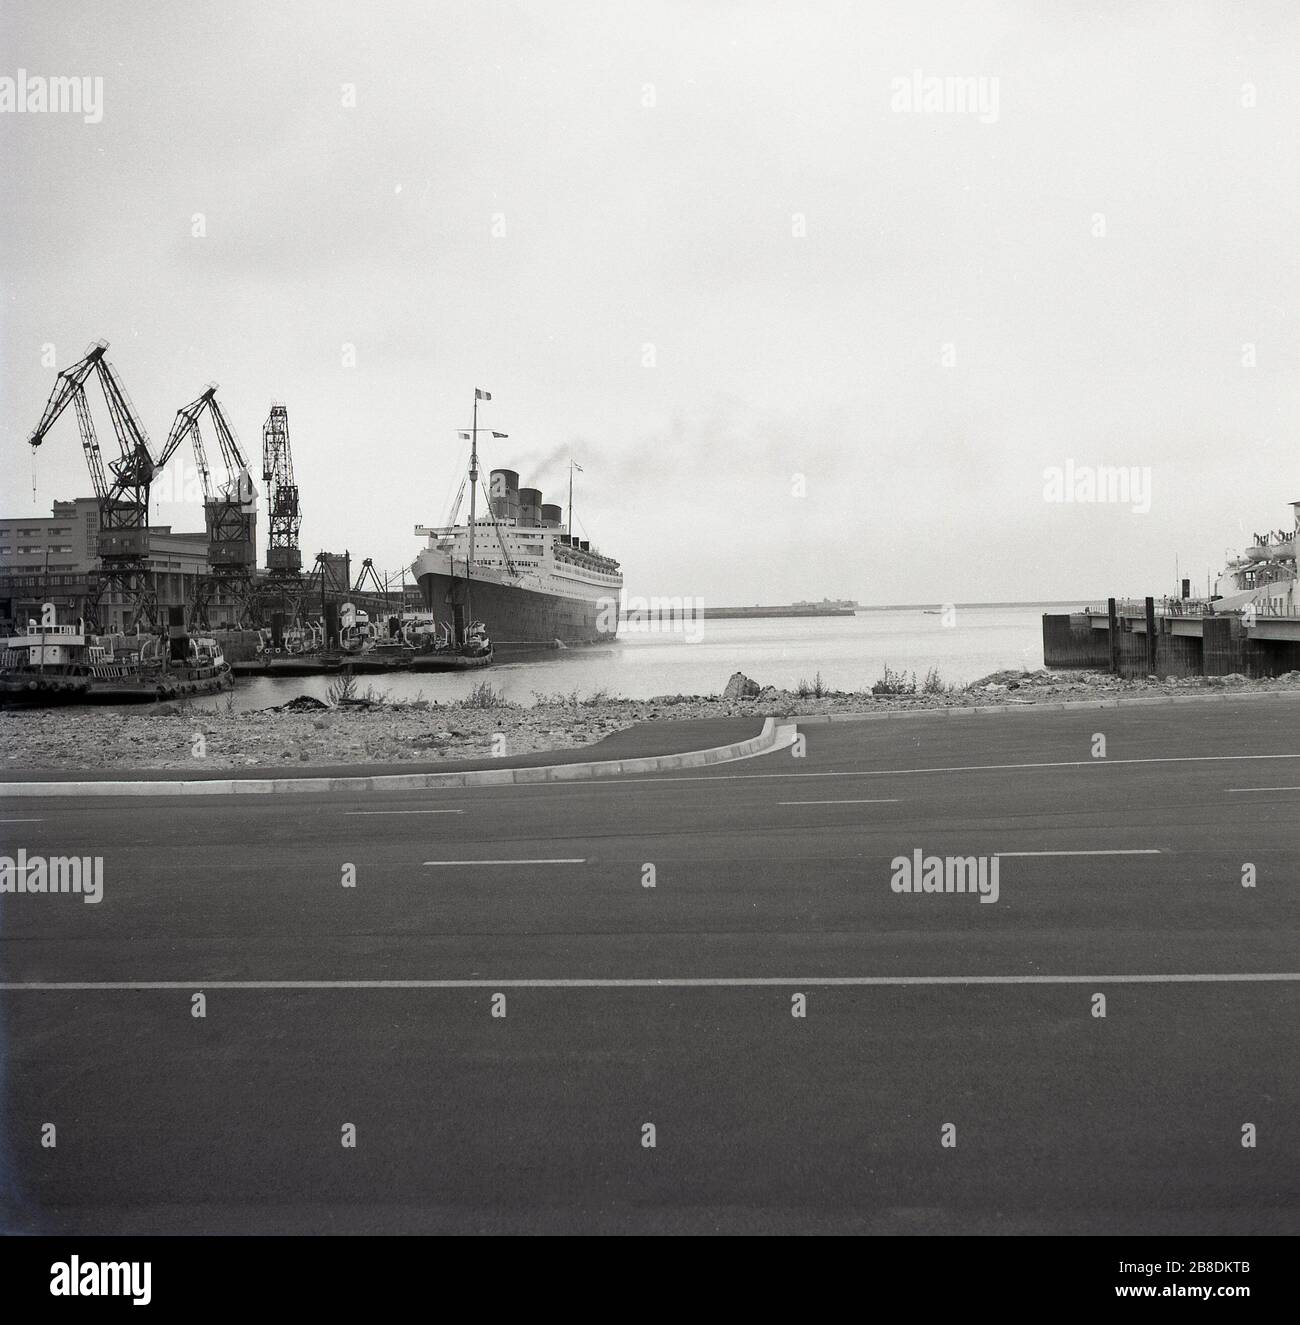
x=360, y=646
x=299, y=651
x=441, y=654
x=362, y=649
x=51, y=664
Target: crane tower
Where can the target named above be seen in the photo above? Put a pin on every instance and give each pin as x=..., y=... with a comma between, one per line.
x=121, y=487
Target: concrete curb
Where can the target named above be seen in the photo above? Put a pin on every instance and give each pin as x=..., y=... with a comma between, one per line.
x=1063, y=706
x=772, y=737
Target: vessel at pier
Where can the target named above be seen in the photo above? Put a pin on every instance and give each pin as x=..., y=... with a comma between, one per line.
x=518, y=567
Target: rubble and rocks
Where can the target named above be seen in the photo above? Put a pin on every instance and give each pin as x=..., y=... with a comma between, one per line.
x=741, y=687
x=308, y=731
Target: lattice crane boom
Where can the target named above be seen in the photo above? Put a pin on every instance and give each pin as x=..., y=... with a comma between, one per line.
x=121, y=486
x=284, y=518
x=70, y=389
x=187, y=425
x=133, y=471
x=237, y=481
x=90, y=446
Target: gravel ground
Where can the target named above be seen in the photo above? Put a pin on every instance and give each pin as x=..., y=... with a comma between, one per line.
x=168, y=736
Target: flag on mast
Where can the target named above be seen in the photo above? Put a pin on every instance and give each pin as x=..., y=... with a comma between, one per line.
x=482, y=395
x=576, y=466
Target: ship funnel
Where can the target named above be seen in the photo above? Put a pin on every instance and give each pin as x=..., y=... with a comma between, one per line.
x=530, y=507
x=552, y=516
x=504, y=487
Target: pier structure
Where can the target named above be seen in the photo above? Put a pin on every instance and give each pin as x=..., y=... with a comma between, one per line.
x=1173, y=637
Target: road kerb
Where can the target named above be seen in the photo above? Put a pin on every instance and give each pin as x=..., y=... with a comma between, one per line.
x=776, y=735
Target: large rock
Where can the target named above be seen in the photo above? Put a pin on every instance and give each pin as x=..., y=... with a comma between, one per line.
x=741, y=687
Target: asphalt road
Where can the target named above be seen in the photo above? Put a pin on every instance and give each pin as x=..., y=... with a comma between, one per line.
x=772, y=878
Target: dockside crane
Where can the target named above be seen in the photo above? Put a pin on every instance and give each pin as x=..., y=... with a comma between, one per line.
x=121, y=488
x=380, y=588
x=229, y=514
x=283, y=585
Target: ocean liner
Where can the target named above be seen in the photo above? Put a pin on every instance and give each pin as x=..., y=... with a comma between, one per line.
x=517, y=568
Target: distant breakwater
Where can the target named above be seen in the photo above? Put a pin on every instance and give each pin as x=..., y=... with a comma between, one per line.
x=671, y=611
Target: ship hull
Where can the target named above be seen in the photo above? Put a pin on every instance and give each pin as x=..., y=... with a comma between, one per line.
x=449, y=662
x=49, y=689
x=516, y=615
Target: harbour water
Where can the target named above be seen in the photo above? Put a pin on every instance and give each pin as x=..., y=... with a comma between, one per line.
x=696, y=659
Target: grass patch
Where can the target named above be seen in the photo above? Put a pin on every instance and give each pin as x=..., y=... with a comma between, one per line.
x=814, y=689
x=343, y=690
x=486, y=696
x=934, y=684
x=895, y=683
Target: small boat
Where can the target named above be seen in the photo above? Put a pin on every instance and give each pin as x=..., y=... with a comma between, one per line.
x=440, y=655
x=448, y=661
x=385, y=657
x=418, y=645
x=311, y=662
x=303, y=652
x=54, y=664
x=316, y=662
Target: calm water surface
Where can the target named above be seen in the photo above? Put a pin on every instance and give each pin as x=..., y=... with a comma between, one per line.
x=849, y=652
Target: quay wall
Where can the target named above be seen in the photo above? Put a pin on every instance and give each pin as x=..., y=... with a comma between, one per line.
x=1069, y=641
x=1224, y=648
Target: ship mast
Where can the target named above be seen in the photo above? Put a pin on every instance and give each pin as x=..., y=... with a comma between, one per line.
x=573, y=464
x=473, y=493
x=473, y=479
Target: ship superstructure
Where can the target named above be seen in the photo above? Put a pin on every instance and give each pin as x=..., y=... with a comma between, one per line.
x=1263, y=578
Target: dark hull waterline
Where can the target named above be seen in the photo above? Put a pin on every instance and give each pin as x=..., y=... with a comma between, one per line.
x=521, y=616
x=18, y=690
x=333, y=664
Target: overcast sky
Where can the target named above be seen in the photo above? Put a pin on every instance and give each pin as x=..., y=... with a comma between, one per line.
x=919, y=312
